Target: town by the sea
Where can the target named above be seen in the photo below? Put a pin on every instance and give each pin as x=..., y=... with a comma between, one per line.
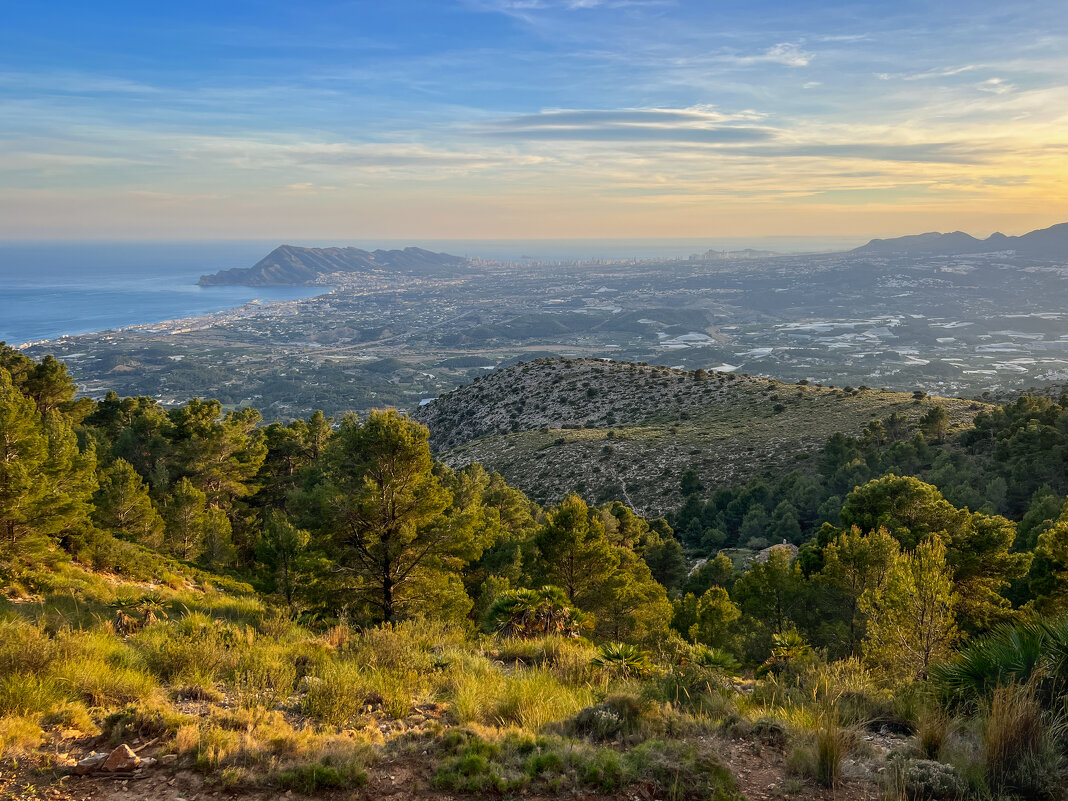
x=54, y=289
x=48, y=290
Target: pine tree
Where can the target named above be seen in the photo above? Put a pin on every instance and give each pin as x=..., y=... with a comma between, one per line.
x=573, y=553
x=910, y=616
x=714, y=615
x=23, y=451
x=856, y=563
x=123, y=507
x=282, y=548
x=772, y=591
x=716, y=572
x=935, y=424
x=387, y=517
x=46, y=480
x=69, y=473
x=220, y=455
x=1050, y=584
x=628, y=605
x=784, y=525
x=667, y=562
x=979, y=546
x=217, y=544
x=184, y=514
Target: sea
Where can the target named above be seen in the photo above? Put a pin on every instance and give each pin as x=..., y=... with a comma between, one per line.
x=57, y=288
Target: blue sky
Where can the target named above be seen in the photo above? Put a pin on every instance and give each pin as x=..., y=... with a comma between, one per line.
x=530, y=118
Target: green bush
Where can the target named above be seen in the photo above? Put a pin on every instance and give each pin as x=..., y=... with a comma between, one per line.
x=926, y=780
x=679, y=770
x=619, y=716
x=692, y=687
x=28, y=694
x=311, y=779
x=336, y=695
x=264, y=676
x=1012, y=654
x=622, y=660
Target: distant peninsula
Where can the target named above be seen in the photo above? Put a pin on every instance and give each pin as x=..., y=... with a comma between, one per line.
x=1046, y=243
x=288, y=265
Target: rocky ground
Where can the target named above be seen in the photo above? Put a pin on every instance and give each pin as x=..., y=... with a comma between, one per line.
x=760, y=770
x=628, y=431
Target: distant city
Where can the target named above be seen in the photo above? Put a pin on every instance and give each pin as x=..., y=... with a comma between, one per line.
x=404, y=326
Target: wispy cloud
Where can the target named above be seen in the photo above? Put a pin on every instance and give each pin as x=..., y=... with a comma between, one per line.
x=786, y=53
x=996, y=86
x=632, y=125
x=549, y=111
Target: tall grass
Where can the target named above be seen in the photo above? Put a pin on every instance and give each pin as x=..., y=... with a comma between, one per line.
x=264, y=675
x=337, y=694
x=566, y=658
x=1020, y=749
x=531, y=698
x=534, y=698
x=28, y=694
x=18, y=735
x=932, y=729
x=833, y=742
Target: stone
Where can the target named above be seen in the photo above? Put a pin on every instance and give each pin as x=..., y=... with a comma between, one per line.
x=90, y=763
x=122, y=759
x=168, y=759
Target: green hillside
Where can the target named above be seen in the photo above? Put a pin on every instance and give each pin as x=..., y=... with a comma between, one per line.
x=195, y=604
x=627, y=431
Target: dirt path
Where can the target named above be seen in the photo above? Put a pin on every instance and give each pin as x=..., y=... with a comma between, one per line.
x=760, y=771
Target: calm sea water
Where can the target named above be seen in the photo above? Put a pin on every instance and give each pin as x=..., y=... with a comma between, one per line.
x=48, y=289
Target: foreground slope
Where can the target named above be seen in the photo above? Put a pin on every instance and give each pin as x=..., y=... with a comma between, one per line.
x=624, y=430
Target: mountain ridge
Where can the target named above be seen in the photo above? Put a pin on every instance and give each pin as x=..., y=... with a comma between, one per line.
x=1043, y=243
x=291, y=265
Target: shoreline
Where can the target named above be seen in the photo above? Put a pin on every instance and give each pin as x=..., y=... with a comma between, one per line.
x=177, y=325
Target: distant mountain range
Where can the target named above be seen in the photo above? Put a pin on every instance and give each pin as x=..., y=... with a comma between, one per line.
x=295, y=266
x=288, y=265
x=1046, y=243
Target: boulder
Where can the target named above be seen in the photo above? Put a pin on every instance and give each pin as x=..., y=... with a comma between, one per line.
x=122, y=759
x=90, y=763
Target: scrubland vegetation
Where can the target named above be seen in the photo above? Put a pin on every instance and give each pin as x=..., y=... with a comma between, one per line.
x=312, y=606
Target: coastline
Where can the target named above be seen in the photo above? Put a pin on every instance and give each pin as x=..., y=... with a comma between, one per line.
x=180, y=325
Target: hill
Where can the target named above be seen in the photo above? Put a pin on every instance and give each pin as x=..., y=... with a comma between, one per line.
x=1046, y=243
x=253, y=611
x=295, y=266
x=625, y=430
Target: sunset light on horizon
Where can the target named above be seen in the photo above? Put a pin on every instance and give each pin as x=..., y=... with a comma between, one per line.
x=531, y=119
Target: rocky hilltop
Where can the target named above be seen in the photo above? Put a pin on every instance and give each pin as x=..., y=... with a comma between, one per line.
x=295, y=266
x=1046, y=243
x=625, y=430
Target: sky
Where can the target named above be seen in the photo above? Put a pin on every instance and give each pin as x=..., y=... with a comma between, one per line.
x=530, y=118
